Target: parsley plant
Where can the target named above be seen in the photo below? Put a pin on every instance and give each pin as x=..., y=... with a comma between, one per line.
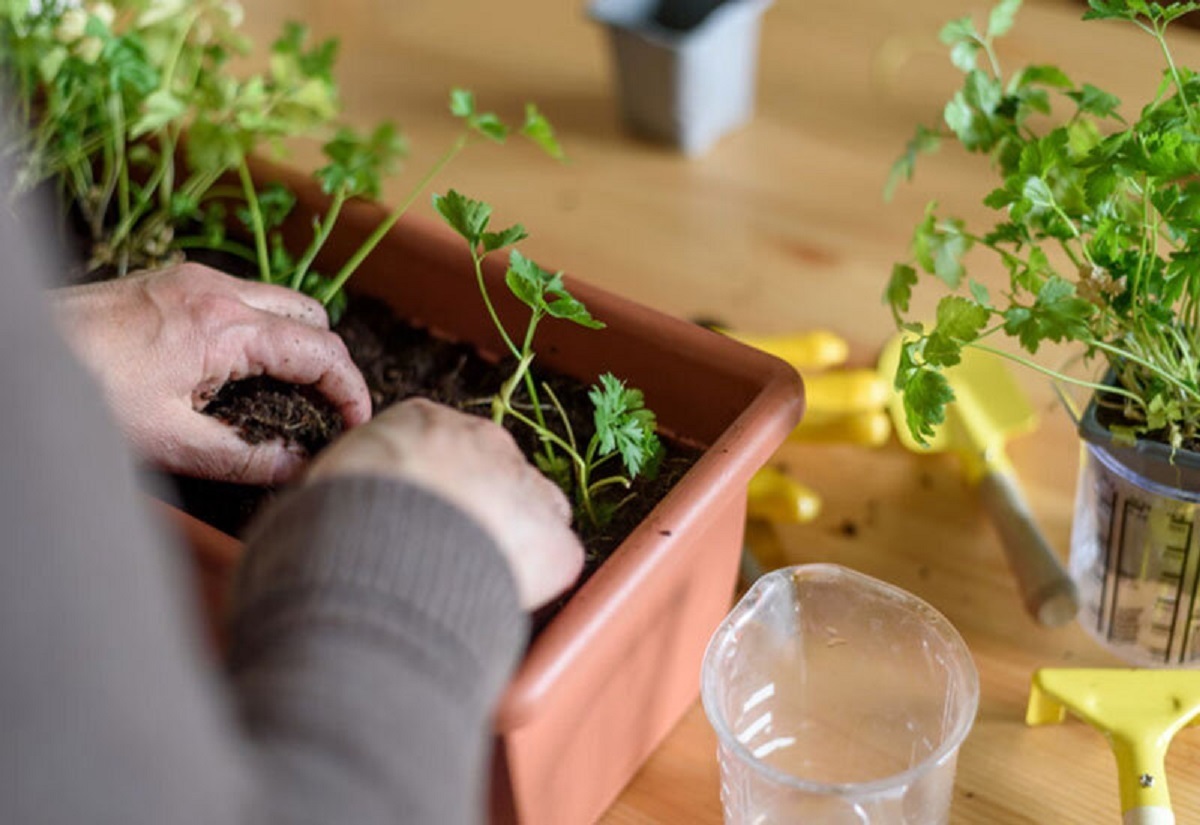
x=624, y=428
x=1097, y=225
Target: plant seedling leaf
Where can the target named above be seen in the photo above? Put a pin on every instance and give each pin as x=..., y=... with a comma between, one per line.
x=538, y=129
x=462, y=103
x=505, y=237
x=623, y=424
x=1002, y=17
x=468, y=217
x=490, y=126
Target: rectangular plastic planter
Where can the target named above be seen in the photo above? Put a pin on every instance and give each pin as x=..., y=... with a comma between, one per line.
x=614, y=671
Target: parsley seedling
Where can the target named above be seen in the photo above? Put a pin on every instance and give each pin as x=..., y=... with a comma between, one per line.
x=623, y=426
x=1098, y=228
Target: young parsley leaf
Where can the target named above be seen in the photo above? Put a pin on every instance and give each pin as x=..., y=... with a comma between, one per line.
x=544, y=293
x=623, y=424
x=538, y=129
x=468, y=217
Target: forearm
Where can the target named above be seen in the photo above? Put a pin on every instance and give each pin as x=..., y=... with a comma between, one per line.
x=429, y=630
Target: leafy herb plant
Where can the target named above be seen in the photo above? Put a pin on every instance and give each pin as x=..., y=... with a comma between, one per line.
x=1098, y=228
x=624, y=428
x=131, y=112
x=106, y=91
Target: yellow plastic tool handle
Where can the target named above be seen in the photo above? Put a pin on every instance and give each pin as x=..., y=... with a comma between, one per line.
x=816, y=349
x=775, y=496
x=1142, y=775
x=871, y=428
x=845, y=392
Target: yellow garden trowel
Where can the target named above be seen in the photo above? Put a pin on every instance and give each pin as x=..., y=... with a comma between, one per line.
x=989, y=408
x=1138, y=711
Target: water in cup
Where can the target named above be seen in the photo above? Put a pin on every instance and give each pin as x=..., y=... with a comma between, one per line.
x=837, y=699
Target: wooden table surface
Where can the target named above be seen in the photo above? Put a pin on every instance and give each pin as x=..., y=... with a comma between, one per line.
x=782, y=227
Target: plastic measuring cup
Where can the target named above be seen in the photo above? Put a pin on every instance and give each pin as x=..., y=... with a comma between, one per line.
x=837, y=698
x=1135, y=557
x=1135, y=549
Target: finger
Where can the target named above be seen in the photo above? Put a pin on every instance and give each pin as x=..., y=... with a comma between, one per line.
x=207, y=448
x=551, y=494
x=299, y=354
x=560, y=562
x=279, y=300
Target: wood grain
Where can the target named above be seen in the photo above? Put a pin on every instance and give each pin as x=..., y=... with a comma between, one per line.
x=782, y=227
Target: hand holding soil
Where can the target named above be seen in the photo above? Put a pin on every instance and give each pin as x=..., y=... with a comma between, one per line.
x=475, y=465
x=162, y=343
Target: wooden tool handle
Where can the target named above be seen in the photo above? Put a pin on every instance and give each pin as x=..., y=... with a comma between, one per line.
x=1049, y=595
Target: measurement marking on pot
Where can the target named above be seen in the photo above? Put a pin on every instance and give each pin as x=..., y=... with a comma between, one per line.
x=1107, y=506
x=1141, y=540
x=1176, y=523
x=1188, y=640
x=1122, y=620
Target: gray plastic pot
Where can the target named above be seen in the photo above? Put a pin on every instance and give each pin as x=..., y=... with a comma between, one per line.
x=685, y=69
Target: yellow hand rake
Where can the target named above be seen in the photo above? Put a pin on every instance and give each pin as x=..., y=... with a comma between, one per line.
x=1138, y=711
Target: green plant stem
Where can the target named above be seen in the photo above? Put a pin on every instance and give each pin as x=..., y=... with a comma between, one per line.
x=992, y=59
x=324, y=228
x=1058, y=210
x=548, y=435
x=1058, y=376
x=1117, y=352
x=491, y=309
x=608, y=482
x=168, y=141
x=562, y=414
x=100, y=208
x=503, y=401
x=385, y=226
x=168, y=75
x=260, y=234
x=530, y=385
x=1161, y=36
x=166, y=162
x=232, y=247
x=136, y=213
x=122, y=160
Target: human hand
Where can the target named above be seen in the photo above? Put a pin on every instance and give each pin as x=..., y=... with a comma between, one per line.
x=475, y=465
x=162, y=343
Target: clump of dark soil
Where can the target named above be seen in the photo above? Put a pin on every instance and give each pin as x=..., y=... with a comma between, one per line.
x=264, y=408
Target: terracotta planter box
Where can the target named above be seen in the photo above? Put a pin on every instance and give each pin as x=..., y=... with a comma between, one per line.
x=617, y=667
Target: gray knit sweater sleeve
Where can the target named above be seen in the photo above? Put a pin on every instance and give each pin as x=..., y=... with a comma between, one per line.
x=371, y=637
x=374, y=627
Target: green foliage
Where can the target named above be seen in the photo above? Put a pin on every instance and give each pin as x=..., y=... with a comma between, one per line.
x=1096, y=225
x=108, y=91
x=623, y=424
x=624, y=428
